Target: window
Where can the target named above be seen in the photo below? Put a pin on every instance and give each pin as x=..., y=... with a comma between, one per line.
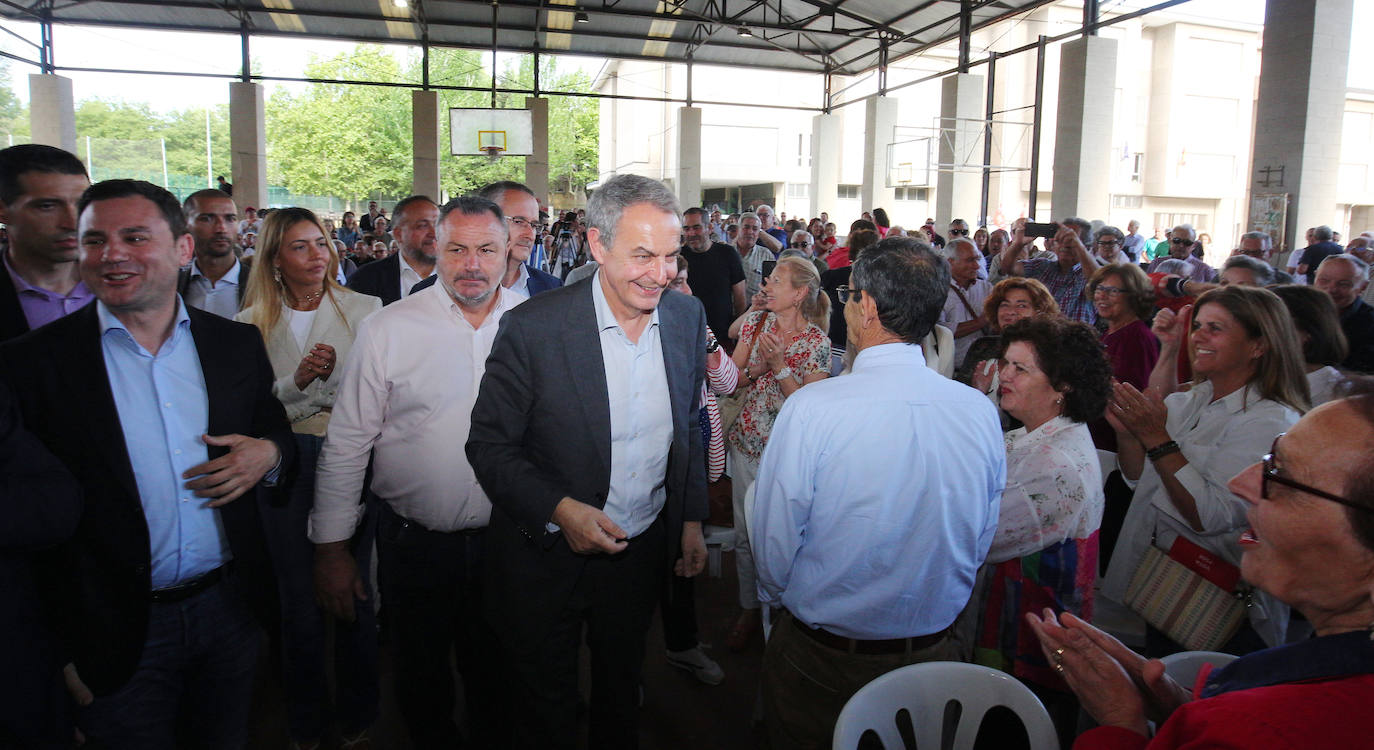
x=911, y=193
x=803, y=149
x=798, y=190
x=1127, y=201
x=850, y=192
x=1137, y=166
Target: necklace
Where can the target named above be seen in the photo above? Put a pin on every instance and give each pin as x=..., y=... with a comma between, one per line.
x=309, y=300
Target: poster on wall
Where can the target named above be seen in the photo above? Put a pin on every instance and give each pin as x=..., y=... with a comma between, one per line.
x=1269, y=214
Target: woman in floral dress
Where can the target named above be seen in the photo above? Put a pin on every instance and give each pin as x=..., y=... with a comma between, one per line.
x=781, y=348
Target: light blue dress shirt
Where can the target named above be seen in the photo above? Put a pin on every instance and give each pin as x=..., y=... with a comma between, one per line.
x=164, y=409
x=641, y=419
x=877, y=498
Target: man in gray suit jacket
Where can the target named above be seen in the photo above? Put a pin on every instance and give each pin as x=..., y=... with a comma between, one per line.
x=585, y=436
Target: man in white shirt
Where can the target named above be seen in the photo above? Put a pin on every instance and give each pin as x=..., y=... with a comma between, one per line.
x=216, y=280
x=963, y=311
x=405, y=398
x=877, y=501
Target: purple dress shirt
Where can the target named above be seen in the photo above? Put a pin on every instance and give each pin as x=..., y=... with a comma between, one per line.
x=41, y=306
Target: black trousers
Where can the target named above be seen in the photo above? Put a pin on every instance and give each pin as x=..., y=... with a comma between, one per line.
x=678, y=610
x=614, y=601
x=431, y=589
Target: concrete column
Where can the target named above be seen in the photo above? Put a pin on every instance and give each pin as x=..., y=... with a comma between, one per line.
x=424, y=143
x=958, y=186
x=880, y=122
x=1083, y=129
x=827, y=133
x=1306, y=51
x=52, y=111
x=687, y=182
x=537, y=163
x=248, y=141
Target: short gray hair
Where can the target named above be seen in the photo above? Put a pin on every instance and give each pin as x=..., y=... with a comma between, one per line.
x=1173, y=266
x=1263, y=272
x=1188, y=228
x=1321, y=233
x=1266, y=242
x=609, y=202
x=1084, y=227
x=802, y=233
x=748, y=215
x=951, y=249
x=1361, y=268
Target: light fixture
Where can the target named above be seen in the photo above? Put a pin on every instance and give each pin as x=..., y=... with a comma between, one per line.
x=581, y=17
x=401, y=3
x=744, y=31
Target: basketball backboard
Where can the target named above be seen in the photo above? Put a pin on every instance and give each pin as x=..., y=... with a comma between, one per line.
x=472, y=132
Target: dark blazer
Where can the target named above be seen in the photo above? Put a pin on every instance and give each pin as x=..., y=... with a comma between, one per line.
x=245, y=270
x=380, y=278
x=40, y=504
x=97, y=583
x=13, y=323
x=541, y=431
x=539, y=282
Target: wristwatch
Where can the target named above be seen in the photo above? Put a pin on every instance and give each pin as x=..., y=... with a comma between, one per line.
x=785, y=372
x=712, y=346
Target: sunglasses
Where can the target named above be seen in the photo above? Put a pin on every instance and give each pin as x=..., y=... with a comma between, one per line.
x=1180, y=241
x=1271, y=474
x=959, y=232
x=845, y=294
x=801, y=244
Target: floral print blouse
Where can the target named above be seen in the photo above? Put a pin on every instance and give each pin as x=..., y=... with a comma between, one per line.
x=807, y=353
x=1054, y=489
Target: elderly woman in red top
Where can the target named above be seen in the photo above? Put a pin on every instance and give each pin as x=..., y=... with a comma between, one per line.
x=1310, y=505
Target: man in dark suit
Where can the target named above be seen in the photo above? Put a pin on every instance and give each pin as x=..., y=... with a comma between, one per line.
x=165, y=415
x=41, y=504
x=216, y=279
x=585, y=437
x=398, y=276
x=39, y=188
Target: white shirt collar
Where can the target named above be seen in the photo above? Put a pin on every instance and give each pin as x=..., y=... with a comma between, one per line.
x=604, y=317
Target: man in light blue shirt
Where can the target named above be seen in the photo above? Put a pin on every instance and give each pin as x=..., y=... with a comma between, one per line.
x=876, y=502
x=165, y=415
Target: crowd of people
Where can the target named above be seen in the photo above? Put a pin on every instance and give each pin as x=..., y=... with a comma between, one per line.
x=938, y=447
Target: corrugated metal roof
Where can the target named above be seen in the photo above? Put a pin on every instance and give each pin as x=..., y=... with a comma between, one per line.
x=801, y=35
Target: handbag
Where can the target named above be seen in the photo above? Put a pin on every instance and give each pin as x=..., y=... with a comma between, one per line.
x=1190, y=594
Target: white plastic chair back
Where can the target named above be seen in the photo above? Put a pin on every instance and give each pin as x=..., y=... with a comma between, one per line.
x=749, y=529
x=1184, y=666
x=924, y=691
x=1106, y=460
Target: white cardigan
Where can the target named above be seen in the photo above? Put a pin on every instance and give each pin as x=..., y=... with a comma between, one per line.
x=326, y=328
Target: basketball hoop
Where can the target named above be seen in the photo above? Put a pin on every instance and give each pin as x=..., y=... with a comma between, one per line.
x=493, y=152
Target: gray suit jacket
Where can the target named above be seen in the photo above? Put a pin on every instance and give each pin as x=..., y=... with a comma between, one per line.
x=541, y=431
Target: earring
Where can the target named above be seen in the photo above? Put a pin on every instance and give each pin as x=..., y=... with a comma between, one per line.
x=276, y=274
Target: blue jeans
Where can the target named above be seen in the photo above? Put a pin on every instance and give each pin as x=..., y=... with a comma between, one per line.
x=194, y=683
x=303, y=623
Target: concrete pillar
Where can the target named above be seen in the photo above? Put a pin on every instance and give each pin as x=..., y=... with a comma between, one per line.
x=958, y=184
x=827, y=133
x=880, y=123
x=248, y=142
x=1083, y=129
x=424, y=143
x=1306, y=51
x=52, y=111
x=687, y=182
x=537, y=163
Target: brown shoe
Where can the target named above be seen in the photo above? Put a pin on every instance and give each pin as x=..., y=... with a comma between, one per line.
x=749, y=624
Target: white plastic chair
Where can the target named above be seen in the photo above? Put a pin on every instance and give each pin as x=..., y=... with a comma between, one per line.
x=1184, y=666
x=1107, y=461
x=924, y=690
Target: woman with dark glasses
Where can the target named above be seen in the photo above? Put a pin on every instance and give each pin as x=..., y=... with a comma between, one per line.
x=1308, y=540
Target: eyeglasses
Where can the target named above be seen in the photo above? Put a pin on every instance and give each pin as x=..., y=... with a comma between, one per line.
x=1271, y=474
x=1112, y=290
x=1107, y=241
x=519, y=222
x=801, y=244
x=845, y=294
x=1179, y=241
x=963, y=232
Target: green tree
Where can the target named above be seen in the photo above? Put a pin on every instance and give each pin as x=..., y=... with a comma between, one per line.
x=185, y=134
x=13, y=114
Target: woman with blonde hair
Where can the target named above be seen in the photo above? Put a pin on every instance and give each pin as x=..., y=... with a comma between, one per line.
x=782, y=347
x=308, y=322
x=1178, y=449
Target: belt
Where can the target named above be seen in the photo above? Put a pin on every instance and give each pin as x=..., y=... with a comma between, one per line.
x=856, y=646
x=182, y=591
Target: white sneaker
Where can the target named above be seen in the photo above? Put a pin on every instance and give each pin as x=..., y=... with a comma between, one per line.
x=701, y=666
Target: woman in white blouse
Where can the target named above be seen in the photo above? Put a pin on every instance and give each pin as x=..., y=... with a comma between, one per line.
x=1181, y=448
x=308, y=321
x=1054, y=378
